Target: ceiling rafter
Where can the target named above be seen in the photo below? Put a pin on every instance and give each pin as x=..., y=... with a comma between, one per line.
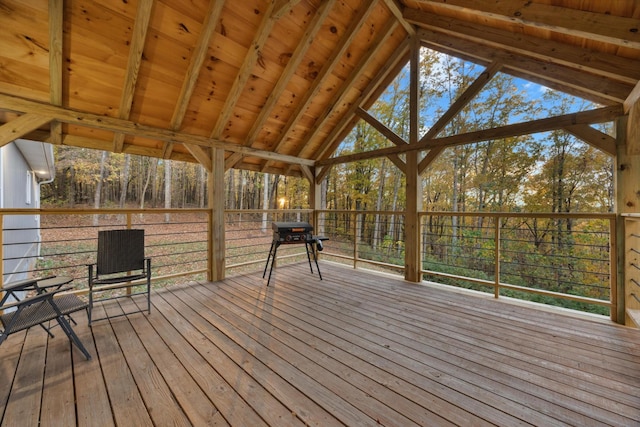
x=573, y=22
x=136, y=47
x=577, y=57
x=200, y=52
x=588, y=86
x=56, y=23
x=21, y=126
x=339, y=96
x=113, y=124
x=599, y=115
x=367, y=97
x=246, y=69
x=295, y=60
x=356, y=23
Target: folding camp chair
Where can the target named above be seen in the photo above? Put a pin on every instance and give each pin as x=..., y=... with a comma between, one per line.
x=38, y=301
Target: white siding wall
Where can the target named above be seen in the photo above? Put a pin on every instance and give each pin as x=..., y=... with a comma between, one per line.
x=20, y=232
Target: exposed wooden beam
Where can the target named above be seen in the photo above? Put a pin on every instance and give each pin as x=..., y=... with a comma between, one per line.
x=136, y=46
x=368, y=96
x=322, y=172
x=340, y=95
x=594, y=137
x=469, y=93
x=588, y=86
x=396, y=10
x=400, y=164
x=202, y=155
x=282, y=7
x=429, y=158
x=232, y=160
x=298, y=55
x=337, y=52
x=113, y=124
x=599, y=115
x=633, y=98
x=598, y=63
x=306, y=172
x=21, y=126
x=602, y=27
x=246, y=69
x=200, y=52
x=56, y=22
x=380, y=127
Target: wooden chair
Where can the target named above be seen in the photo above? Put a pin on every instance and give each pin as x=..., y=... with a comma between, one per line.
x=120, y=261
x=37, y=302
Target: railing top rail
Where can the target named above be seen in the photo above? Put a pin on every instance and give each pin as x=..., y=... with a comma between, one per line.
x=601, y=215
x=101, y=211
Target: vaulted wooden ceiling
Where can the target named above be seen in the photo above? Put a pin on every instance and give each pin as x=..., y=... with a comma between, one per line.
x=277, y=83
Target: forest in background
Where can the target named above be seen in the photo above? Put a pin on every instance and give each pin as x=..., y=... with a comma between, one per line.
x=553, y=172
x=550, y=172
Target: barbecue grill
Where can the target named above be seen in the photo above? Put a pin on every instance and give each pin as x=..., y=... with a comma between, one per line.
x=285, y=233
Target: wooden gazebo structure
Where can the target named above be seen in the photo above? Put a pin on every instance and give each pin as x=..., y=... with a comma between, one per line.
x=275, y=85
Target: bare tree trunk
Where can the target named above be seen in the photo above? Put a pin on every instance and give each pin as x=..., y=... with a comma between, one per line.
x=167, y=188
x=203, y=187
x=146, y=185
x=96, y=199
x=124, y=181
x=265, y=202
x=71, y=189
x=376, y=221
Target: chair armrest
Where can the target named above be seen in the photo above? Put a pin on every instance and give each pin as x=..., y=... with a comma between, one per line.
x=28, y=301
x=20, y=285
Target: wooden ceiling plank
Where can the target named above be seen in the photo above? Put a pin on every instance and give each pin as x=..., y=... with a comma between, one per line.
x=599, y=115
x=21, y=126
x=136, y=47
x=588, y=86
x=380, y=127
x=246, y=69
x=282, y=7
x=368, y=96
x=340, y=94
x=607, y=28
x=577, y=57
x=356, y=23
x=200, y=52
x=470, y=92
x=113, y=124
x=56, y=23
x=594, y=137
x=297, y=57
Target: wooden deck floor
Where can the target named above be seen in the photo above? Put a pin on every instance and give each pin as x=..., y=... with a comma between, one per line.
x=356, y=349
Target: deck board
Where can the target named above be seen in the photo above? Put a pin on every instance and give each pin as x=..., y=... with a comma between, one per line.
x=356, y=349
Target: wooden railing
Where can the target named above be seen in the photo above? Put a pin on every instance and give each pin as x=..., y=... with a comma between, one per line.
x=570, y=258
x=560, y=259
x=632, y=261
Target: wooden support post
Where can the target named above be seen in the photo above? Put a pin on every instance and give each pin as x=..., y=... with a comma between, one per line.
x=627, y=185
x=412, y=220
x=496, y=290
x=216, y=204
